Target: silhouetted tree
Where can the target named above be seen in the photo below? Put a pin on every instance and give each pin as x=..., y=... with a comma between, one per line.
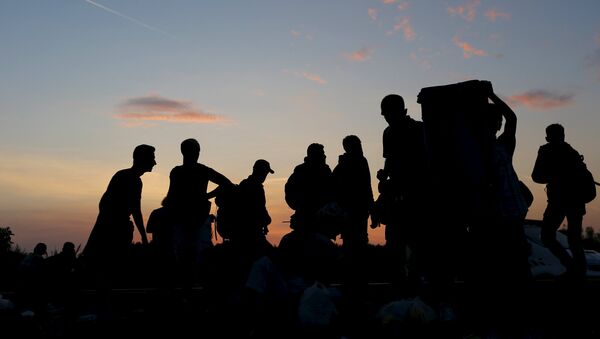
x=5, y=239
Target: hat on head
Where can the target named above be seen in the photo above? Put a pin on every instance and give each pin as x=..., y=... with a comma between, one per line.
x=262, y=165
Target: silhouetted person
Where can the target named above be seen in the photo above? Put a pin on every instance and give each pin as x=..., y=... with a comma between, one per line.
x=108, y=247
x=555, y=166
x=255, y=218
x=188, y=204
x=160, y=225
x=406, y=168
x=112, y=234
x=308, y=189
x=65, y=260
x=32, y=289
x=62, y=267
x=62, y=278
x=352, y=190
x=501, y=275
x=508, y=207
x=275, y=283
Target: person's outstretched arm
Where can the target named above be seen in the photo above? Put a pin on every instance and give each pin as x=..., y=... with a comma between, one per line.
x=218, y=179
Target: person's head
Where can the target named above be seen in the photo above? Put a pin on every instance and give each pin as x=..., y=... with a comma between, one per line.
x=352, y=144
x=392, y=108
x=143, y=158
x=40, y=249
x=261, y=169
x=315, y=153
x=190, y=149
x=555, y=133
x=68, y=248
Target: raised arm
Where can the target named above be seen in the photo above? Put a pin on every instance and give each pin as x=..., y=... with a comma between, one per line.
x=510, y=126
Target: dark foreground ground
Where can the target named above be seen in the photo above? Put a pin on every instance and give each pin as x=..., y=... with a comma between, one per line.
x=550, y=309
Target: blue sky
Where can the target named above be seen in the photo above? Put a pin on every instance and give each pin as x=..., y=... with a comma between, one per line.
x=83, y=82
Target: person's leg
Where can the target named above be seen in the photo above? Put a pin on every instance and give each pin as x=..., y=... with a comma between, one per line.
x=575, y=221
x=553, y=216
x=355, y=240
x=395, y=243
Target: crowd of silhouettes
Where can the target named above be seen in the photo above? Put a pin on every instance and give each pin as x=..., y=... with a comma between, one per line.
x=271, y=282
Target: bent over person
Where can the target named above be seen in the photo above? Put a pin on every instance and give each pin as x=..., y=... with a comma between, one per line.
x=112, y=234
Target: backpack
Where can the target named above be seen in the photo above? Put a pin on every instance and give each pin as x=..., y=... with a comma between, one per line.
x=584, y=184
x=227, y=219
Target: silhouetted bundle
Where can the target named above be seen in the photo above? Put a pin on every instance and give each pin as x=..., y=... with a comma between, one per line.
x=458, y=140
x=228, y=217
x=584, y=184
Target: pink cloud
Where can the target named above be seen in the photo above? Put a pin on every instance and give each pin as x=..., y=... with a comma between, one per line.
x=468, y=49
x=467, y=12
x=308, y=76
x=541, y=100
x=154, y=108
x=388, y=2
x=360, y=55
x=314, y=77
x=372, y=13
x=404, y=26
x=493, y=15
x=295, y=33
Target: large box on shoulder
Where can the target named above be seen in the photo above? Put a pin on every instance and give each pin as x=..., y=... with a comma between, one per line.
x=458, y=141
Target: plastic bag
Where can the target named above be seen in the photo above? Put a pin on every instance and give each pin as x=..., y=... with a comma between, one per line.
x=316, y=307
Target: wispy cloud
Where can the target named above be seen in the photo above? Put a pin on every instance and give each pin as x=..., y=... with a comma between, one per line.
x=494, y=14
x=405, y=26
x=402, y=6
x=468, y=49
x=541, y=100
x=128, y=18
x=373, y=13
x=592, y=61
x=360, y=55
x=467, y=11
x=424, y=62
x=307, y=76
x=154, y=108
x=298, y=34
x=259, y=92
x=388, y=2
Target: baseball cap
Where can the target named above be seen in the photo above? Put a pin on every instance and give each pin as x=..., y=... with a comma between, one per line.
x=264, y=165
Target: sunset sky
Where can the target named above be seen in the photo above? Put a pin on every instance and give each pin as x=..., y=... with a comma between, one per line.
x=83, y=82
